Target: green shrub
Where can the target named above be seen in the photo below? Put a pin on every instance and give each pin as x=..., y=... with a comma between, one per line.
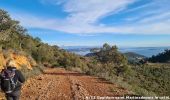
x=30, y=73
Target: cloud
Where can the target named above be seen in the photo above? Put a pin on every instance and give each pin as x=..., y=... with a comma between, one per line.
x=89, y=12
x=84, y=17
x=158, y=18
x=53, y=2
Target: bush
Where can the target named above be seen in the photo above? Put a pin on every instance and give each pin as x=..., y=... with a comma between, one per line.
x=30, y=73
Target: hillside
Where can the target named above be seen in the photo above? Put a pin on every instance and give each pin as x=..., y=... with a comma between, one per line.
x=17, y=44
x=20, y=59
x=15, y=37
x=108, y=64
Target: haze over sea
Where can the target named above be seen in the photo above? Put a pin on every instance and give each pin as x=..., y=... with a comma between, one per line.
x=146, y=51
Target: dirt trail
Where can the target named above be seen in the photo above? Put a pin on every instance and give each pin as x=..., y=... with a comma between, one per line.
x=59, y=84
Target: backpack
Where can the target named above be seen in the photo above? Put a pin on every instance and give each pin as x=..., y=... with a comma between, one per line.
x=7, y=81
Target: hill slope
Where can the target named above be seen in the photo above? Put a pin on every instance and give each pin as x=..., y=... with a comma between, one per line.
x=20, y=59
x=15, y=37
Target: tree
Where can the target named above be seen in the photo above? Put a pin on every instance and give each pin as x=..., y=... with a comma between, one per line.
x=161, y=57
x=106, y=47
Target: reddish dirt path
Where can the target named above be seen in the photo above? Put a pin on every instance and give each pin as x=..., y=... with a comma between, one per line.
x=59, y=84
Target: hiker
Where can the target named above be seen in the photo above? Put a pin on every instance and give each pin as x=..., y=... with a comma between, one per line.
x=11, y=81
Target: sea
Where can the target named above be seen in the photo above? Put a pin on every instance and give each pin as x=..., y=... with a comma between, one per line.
x=145, y=51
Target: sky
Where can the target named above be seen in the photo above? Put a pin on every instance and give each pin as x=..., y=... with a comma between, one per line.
x=125, y=23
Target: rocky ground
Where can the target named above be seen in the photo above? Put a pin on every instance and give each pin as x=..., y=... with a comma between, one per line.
x=59, y=84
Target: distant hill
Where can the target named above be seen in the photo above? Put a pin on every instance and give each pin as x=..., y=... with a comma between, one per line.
x=133, y=55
